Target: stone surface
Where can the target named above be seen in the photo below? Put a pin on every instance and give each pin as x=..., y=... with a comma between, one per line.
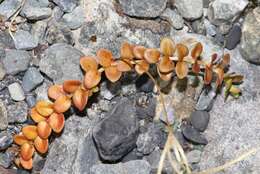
x=222, y=11
x=23, y=40
x=206, y=100
x=16, y=92
x=233, y=37
x=16, y=61
x=194, y=156
x=8, y=8
x=38, y=31
x=145, y=106
x=3, y=116
x=6, y=158
x=74, y=19
x=210, y=29
x=190, y=9
x=200, y=120
x=66, y=5
x=31, y=79
x=135, y=166
x=17, y=112
x=6, y=139
x=116, y=135
x=193, y=135
x=146, y=8
x=2, y=71
x=173, y=17
x=198, y=26
x=61, y=62
x=250, y=44
x=30, y=100
x=35, y=11
x=5, y=40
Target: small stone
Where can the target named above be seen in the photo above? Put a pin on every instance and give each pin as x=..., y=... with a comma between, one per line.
x=17, y=112
x=7, y=158
x=57, y=13
x=224, y=28
x=145, y=8
x=206, y=100
x=36, y=12
x=66, y=5
x=16, y=61
x=206, y=3
x=3, y=116
x=174, y=18
x=193, y=135
x=24, y=40
x=2, y=71
x=74, y=19
x=145, y=107
x=6, y=41
x=220, y=39
x=6, y=139
x=190, y=9
x=38, y=162
x=200, y=120
x=9, y=7
x=198, y=26
x=233, y=37
x=31, y=79
x=38, y=31
x=16, y=92
x=210, y=29
x=194, y=156
x=30, y=100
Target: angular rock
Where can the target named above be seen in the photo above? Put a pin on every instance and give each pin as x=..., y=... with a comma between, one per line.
x=6, y=40
x=145, y=107
x=30, y=100
x=145, y=8
x=38, y=31
x=193, y=135
x=67, y=5
x=16, y=61
x=6, y=139
x=250, y=45
x=173, y=17
x=74, y=19
x=3, y=116
x=9, y=7
x=194, y=156
x=17, y=112
x=116, y=135
x=16, y=92
x=200, y=120
x=222, y=11
x=61, y=62
x=34, y=10
x=31, y=79
x=206, y=100
x=198, y=26
x=190, y=9
x=210, y=29
x=23, y=40
x=233, y=37
x=135, y=166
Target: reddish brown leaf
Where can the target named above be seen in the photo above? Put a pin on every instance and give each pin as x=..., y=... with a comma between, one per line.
x=80, y=99
x=62, y=104
x=71, y=86
x=165, y=65
x=182, y=51
x=139, y=52
x=141, y=67
x=27, y=151
x=41, y=145
x=164, y=76
x=152, y=55
x=92, y=79
x=88, y=62
x=56, y=121
x=43, y=129
x=220, y=75
x=181, y=69
x=126, y=51
x=112, y=73
x=208, y=75
x=196, y=67
x=196, y=51
x=105, y=57
x=167, y=47
x=214, y=57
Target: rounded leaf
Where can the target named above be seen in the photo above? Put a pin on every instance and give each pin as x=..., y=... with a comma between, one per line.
x=87, y=63
x=41, y=145
x=62, y=104
x=56, y=122
x=182, y=69
x=196, y=67
x=43, y=129
x=105, y=57
x=36, y=117
x=208, y=75
x=196, y=51
x=152, y=55
x=167, y=47
x=182, y=51
x=30, y=132
x=164, y=76
x=141, y=67
x=44, y=108
x=220, y=75
x=126, y=51
x=20, y=139
x=165, y=65
x=27, y=151
x=71, y=86
x=92, y=79
x=139, y=52
x=80, y=99
x=124, y=65
x=55, y=91
x=112, y=73
x=26, y=164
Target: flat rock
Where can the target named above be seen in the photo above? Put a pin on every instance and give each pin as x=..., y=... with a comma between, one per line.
x=61, y=62
x=31, y=79
x=3, y=116
x=8, y=8
x=67, y=5
x=193, y=135
x=74, y=19
x=16, y=92
x=200, y=120
x=206, y=100
x=6, y=40
x=23, y=40
x=6, y=139
x=38, y=31
x=173, y=17
x=16, y=61
x=145, y=8
x=190, y=9
x=17, y=112
x=116, y=135
x=36, y=10
x=233, y=37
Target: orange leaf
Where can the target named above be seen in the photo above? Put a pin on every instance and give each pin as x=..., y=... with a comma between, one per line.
x=80, y=99
x=196, y=51
x=165, y=65
x=105, y=57
x=55, y=91
x=124, y=65
x=126, y=51
x=71, y=86
x=152, y=55
x=43, y=129
x=196, y=67
x=36, y=116
x=182, y=51
x=164, y=76
x=41, y=145
x=26, y=164
x=20, y=139
x=56, y=121
x=181, y=69
x=220, y=73
x=141, y=67
x=27, y=151
x=92, y=78
x=225, y=61
x=208, y=75
x=167, y=47
x=112, y=73
x=139, y=52
x=62, y=104
x=30, y=132
x=44, y=108
x=87, y=63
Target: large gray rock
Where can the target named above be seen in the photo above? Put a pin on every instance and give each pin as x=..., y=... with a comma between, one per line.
x=36, y=10
x=222, y=11
x=116, y=135
x=24, y=40
x=250, y=42
x=74, y=19
x=9, y=7
x=190, y=9
x=67, y=5
x=145, y=8
x=61, y=62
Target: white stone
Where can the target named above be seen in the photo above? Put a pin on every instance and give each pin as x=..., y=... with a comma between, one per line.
x=16, y=92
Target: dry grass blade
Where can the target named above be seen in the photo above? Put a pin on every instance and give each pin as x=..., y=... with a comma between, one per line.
x=112, y=73
x=105, y=57
x=126, y=51
x=80, y=99
x=139, y=52
x=92, y=79
x=55, y=91
x=87, y=63
x=165, y=65
x=152, y=55
x=71, y=86
x=167, y=46
x=181, y=69
x=62, y=104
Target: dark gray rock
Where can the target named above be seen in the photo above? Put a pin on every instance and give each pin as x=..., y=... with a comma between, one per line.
x=61, y=62
x=74, y=19
x=200, y=120
x=9, y=7
x=190, y=9
x=206, y=100
x=17, y=112
x=38, y=162
x=144, y=84
x=233, y=37
x=193, y=135
x=220, y=39
x=145, y=8
x=16, y=92
x=23, y=40
x=30, y=100
x=6, y=139
x=6, y=158
x=145, y=106
x=6, y=40
x=31, y=79
x=3, y=116
x=116, y=135
x=16, y=61
x=67, y=5
x=36, y=10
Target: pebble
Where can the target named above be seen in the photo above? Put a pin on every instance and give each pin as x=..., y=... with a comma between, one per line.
x=6, y=139
x=6, y=41
x=24, y=40
x=233, y=37
x=193, y=135
x=30, y=100
x=74, y=19
x=174, y=18
x=194, y=156
x=200, y=120
x=36, y=13
x=58, y=33
x=210, y=29
x=16, y=61
x=2, y=71
x=3, y=116
x=31, y=79
x=9, y=7
x=190, y=9
x=16, y=92
x=66, y=5
x=17, y=112
x=206, y=100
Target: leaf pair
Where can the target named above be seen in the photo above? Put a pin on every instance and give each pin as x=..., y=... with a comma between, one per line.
x=195, y=54
x=230, y=81
x=182, y=68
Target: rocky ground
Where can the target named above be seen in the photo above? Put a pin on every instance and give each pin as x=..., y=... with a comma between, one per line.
x=50, y=36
